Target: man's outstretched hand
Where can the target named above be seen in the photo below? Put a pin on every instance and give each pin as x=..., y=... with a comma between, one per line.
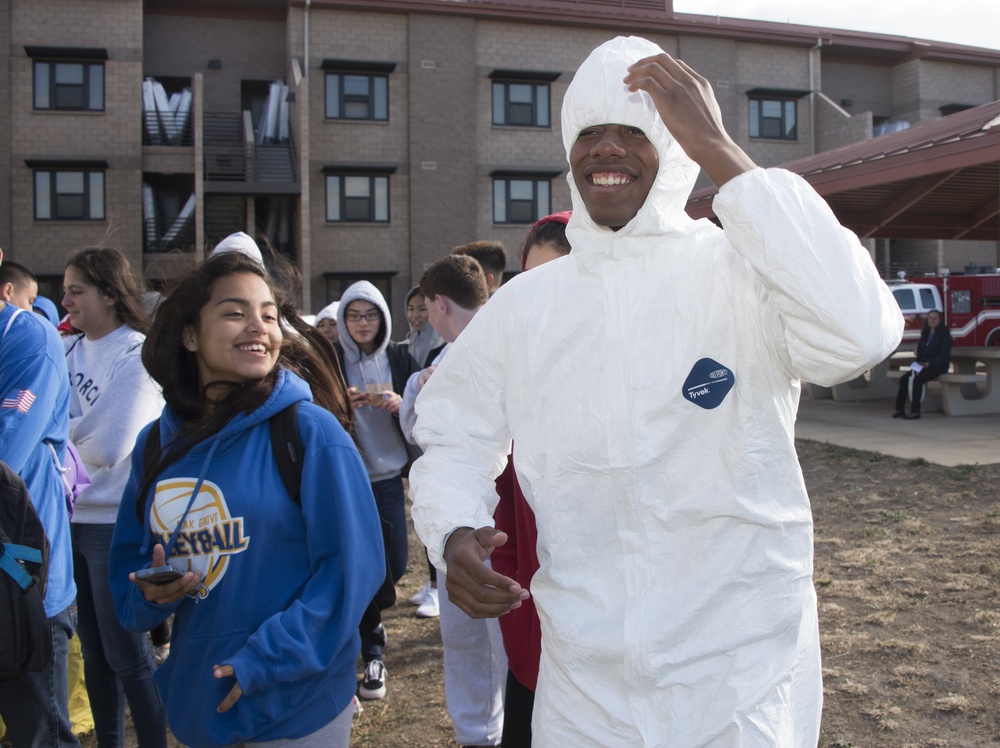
x=688, y=107
x=472, y=585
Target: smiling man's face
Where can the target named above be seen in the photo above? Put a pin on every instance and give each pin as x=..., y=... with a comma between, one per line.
x=614, y=167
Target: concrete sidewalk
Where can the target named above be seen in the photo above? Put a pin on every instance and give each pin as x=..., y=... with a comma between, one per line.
x=868, y=425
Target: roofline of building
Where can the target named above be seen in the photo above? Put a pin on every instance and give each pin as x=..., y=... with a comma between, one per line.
x=938, y=146
x=615, y=15
x=624, y=16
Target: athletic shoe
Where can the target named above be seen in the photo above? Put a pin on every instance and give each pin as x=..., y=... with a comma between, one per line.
x=373, y=684
x=422, y=594
x=356, y=707
x=431, y=607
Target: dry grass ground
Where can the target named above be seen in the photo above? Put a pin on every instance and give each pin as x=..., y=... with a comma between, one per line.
x=908, y=576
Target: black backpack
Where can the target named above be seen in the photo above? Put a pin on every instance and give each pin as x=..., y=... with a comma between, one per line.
x=286, y=443
x=25, y=636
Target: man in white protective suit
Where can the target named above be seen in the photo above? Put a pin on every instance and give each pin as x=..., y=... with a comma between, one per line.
x=650, y=381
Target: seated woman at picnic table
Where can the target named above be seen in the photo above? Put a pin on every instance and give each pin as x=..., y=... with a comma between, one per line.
x=932, y=360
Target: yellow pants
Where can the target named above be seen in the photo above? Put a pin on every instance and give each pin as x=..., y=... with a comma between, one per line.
x=79, y=703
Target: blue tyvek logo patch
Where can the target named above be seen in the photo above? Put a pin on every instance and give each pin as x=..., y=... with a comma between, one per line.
x=708, y=384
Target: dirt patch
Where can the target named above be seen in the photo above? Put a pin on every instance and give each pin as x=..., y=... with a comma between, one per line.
x=908, y=576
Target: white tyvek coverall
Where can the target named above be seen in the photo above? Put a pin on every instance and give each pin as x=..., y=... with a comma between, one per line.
x=675, y=590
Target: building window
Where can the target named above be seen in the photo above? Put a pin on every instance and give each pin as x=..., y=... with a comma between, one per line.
x=773, y=118
x=357, y=194
x=521, y=98
x=73, y=86
x=954, y=108
x=522, y=197
x=68, y=78
x=773, y=112
x=338, y=283
x=69, y=194
x=521, y=104
x=357, y=90
x=357, y=96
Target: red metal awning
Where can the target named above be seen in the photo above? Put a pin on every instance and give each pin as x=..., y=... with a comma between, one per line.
x=936, y=180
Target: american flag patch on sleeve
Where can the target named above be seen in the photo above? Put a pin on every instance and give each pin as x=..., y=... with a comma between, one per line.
x=22, y=401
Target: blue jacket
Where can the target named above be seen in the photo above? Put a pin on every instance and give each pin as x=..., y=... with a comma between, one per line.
x=283, y=588
x=34, y=387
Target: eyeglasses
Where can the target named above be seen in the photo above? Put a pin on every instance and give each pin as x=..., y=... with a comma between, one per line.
x=373, y=316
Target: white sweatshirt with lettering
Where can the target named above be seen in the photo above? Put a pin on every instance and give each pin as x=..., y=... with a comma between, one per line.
x=111, y=399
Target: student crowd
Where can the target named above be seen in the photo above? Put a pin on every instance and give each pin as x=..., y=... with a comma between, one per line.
x=600, y=458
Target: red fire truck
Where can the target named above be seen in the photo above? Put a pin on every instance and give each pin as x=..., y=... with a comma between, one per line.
x=971, y=306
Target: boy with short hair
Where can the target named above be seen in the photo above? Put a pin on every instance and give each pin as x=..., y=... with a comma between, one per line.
x=674, y=531
x=475, y=665
x=18, y=285
x=491, y=255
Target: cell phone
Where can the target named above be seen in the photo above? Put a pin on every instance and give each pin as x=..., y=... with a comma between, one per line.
x=159, y=574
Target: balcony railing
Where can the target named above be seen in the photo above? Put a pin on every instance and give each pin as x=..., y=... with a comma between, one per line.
x=231, y=155
x=176, y=132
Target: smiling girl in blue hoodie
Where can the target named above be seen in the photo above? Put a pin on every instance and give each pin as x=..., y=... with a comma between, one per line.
x=267, y=610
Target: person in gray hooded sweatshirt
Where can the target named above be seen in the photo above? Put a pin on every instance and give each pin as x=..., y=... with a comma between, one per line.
x=376, y=369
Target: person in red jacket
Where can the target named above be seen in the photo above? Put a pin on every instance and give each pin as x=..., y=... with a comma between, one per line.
x=517, y=558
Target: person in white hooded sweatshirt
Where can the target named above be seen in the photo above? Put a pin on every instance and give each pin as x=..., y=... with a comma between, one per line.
x=674, y=531
x=112, y=398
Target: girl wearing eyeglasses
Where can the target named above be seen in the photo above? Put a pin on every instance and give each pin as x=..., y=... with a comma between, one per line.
x=376, y=369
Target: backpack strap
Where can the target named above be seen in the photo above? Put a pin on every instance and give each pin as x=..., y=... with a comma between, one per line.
x=151, y=450
x=286, y=444
x=10, y=554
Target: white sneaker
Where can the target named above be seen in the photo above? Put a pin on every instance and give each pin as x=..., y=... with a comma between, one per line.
x=373, y=684
x=356, y=706
x=431, y=607
x=421, y=597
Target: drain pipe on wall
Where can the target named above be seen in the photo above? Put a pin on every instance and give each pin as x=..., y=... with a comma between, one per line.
x=305, y=39
x=813, y=51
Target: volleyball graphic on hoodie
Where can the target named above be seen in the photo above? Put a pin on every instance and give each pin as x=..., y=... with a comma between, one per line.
x=209, y=535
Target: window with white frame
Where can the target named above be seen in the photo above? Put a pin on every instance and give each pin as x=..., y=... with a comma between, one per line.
x=67, y=79
x=356, y=195
x=521, y=98
x=521, y=197
x=773, y=113
x=357, y=90
x=69, y=192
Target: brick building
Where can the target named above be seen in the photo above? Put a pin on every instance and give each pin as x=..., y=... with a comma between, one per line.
x=412, y=125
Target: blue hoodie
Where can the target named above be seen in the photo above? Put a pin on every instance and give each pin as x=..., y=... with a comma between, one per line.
x=284, y=587
x=34, y=414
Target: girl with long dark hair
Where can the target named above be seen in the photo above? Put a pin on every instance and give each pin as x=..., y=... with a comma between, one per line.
x=271, y=589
